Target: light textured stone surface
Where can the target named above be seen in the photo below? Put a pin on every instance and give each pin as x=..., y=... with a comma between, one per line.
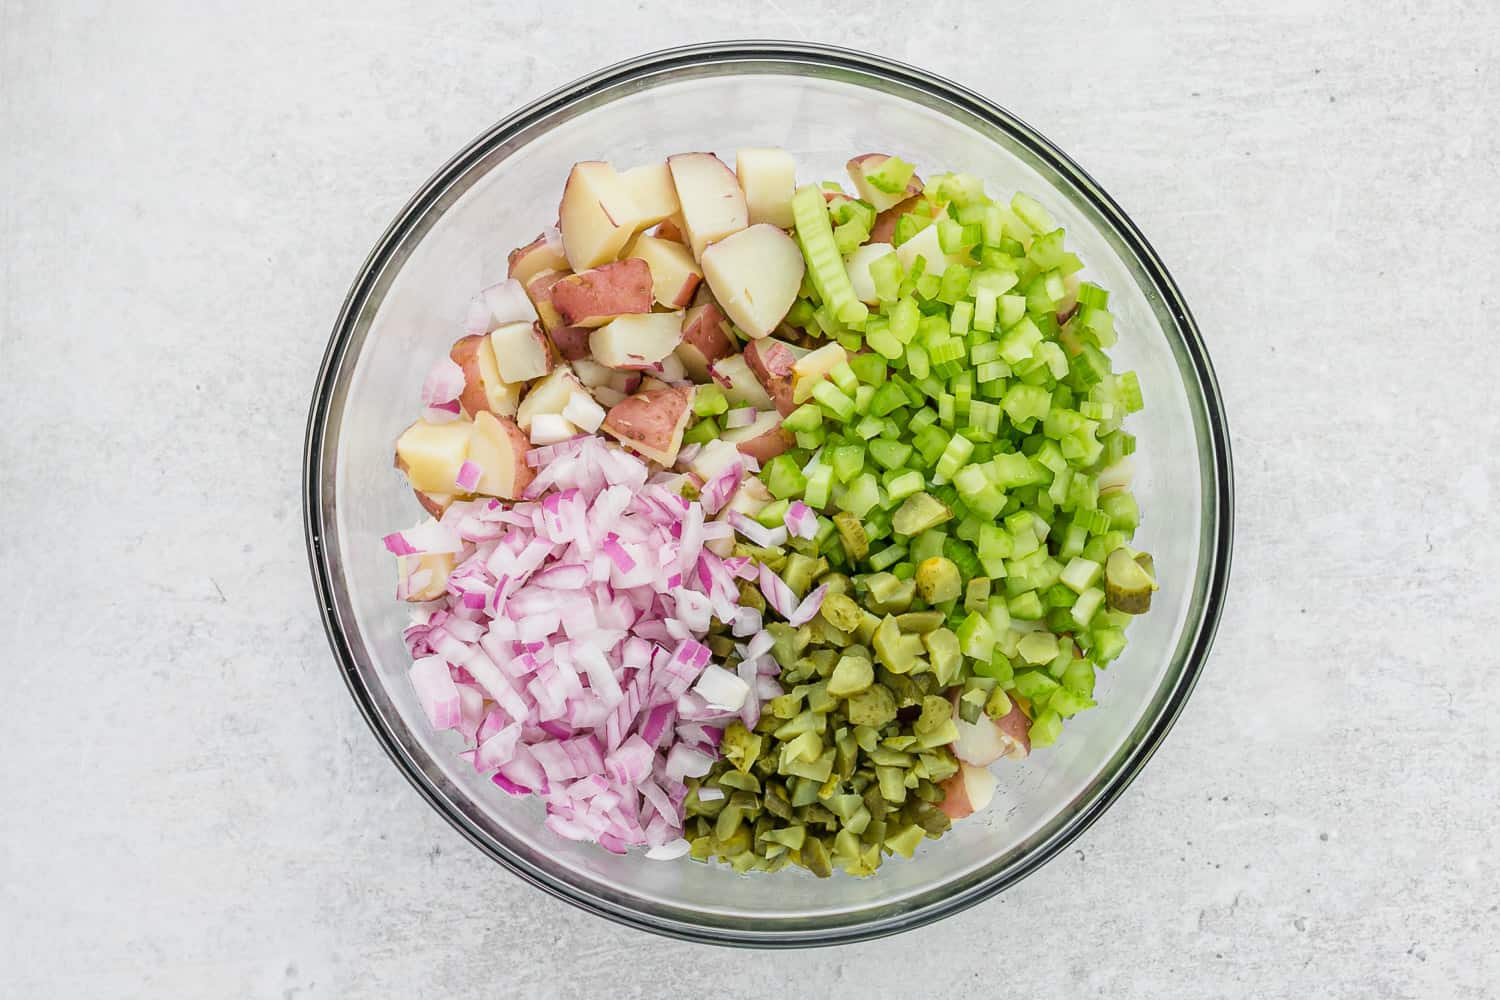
x=189, y=804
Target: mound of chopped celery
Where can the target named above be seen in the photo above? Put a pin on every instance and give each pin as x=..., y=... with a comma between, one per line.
x=980, y=429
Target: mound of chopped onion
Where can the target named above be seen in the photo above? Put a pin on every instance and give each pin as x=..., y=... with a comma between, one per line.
x=567, y=648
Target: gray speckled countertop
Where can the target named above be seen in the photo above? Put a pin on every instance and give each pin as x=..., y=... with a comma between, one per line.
x=189, y=804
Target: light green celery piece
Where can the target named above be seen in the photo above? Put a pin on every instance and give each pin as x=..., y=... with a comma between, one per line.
x=815, y=234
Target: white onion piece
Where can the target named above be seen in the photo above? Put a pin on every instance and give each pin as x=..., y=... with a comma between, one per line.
x=722, y=689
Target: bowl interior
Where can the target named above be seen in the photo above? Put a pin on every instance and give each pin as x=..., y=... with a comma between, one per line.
x=507, y=189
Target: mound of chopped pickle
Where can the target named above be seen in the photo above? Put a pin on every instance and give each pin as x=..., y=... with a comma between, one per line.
x=958, y=434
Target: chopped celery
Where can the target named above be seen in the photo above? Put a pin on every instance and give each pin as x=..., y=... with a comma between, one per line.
x=819, y=487
x=783, y=477
x=868, y=369
x=863, y=493
x=709, y=400
x=702, y=432
x=824, y=264
x=889, y=454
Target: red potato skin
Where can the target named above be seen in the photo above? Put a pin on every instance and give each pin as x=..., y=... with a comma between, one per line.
x=767, y=446
x=685, y=293
x=433, y=503
x=522, y=444
x=648, y=420
x=465, y=354
x=1015, y=725
x=885, y=222
x=956, y=804
x=771, y=363
x=572, y=342
x=705, y=331
x=667, y=230
x=524, y=263
x=595, y=296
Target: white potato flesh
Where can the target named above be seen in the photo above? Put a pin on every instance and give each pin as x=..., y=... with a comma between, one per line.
x=755, y=275
x=521, y=352
x=769, y=179
x=597, y=215
x=636, y=341
x=713, y=206
x=655, y=195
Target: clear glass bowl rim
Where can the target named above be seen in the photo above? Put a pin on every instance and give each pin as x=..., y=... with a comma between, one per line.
x=318, y=458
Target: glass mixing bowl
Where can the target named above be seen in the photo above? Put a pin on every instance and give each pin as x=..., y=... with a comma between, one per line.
x=824, y=105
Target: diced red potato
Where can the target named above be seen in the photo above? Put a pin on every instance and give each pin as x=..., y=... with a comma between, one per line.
x=713, y=458
x=652, y=422
x=594, y=297
x=545, y=253
x=650, y=383
x=483, y=387
x=522, y=351
x=499, y=448
x=597, y=215
x=986, y=741
x=507, y=302
x=763, y=440
x=755, y=275
x=607, y=396
x=705, y=339
x=739, y=383
x=813, y=367
x=713, y=206
x=539, y=290
x=549, y=395
x=771, y=362
x=591, y=373
x=967, y=792
x=672, y=229
x=650, y=185
x=625, y=380
x=434, y=503
x=769, y=180
x=885, y=222
x=859, y=169
x=606, y=384
x=437, y=566
x=674, y=273
x=1068, y=304
x=857, y=265
x=431, y=454
x=572, y=342
x=670, y=369
x=583, y=412
x=636, y=341
x=550, y=428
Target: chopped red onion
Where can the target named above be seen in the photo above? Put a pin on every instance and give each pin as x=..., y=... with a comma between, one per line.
x=757, y=533
x=805, y=611
x=436, y=692
x=568, y=640
x=443, y=383
x=468, y=477
x=800, y=521
x=722, y=689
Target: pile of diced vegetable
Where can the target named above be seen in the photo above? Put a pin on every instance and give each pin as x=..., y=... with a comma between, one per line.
x=874, y=535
